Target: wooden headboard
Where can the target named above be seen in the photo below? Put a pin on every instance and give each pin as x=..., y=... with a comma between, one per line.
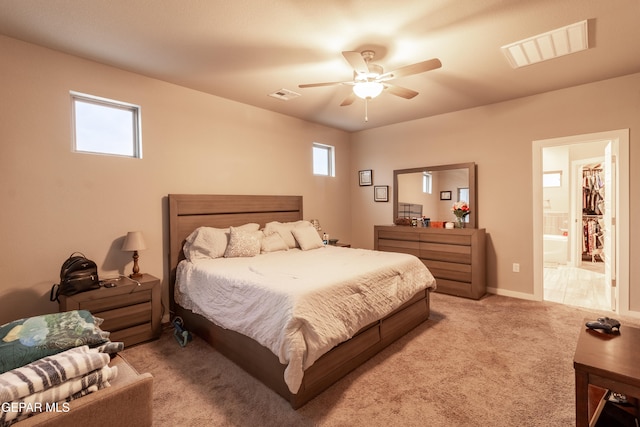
x=190, y=211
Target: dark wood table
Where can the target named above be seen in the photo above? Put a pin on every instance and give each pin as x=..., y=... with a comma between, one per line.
x=610, y=361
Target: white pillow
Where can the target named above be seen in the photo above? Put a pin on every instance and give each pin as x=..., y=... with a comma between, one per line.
x=205, y=242
x=284, y=230
x=307, y=238
x=273, y=243
x=209, y=242
x=243, y=243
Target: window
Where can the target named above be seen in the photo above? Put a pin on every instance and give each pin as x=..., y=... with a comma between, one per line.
x=104, y=126
x=552, y=179
x=427, y=182
x=323, y=160
x=463, y=194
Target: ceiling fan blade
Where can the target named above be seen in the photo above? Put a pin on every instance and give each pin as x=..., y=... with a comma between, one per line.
x=356, y=61
x=349, y=99
x=321, y=84
x=408, y=70
x=402, y=92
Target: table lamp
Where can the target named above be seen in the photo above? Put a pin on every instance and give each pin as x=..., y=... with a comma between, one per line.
x=134, y=242
x=316, y=224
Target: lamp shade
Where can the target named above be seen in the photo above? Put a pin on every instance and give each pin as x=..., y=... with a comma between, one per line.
x=367, y=90
x=134, y=241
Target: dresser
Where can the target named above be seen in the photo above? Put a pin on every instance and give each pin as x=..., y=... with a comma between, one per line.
x=455, y=257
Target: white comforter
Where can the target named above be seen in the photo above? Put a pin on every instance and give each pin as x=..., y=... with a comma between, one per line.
x=300, y=304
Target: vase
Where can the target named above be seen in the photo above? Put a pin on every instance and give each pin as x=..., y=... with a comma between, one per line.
x=459, y=222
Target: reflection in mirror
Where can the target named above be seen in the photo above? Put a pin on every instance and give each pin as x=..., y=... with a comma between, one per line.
x=431, y=192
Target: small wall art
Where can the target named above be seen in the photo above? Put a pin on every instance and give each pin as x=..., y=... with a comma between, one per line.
x=445, y=195
x=365, y=177
x=381, y=193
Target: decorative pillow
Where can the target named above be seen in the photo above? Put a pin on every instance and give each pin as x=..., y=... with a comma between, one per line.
x=307, y=238
x=243, y=243
x=284, y=230
x=273, y=243
x=26, y=340
x=209, y=242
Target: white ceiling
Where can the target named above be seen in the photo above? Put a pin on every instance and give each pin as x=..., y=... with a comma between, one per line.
x=245, y=49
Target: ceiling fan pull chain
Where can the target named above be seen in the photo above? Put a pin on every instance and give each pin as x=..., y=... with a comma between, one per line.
x=366, y=109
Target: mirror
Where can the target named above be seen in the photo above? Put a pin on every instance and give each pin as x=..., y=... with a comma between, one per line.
x=431, y=191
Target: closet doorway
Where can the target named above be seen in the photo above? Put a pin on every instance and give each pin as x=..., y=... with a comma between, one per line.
x=579, y=235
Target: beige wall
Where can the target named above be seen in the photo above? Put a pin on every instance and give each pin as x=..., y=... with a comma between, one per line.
x=55, y=202
x=499, y=139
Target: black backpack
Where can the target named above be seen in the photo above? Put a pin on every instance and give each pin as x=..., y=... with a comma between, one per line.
x=78, y=274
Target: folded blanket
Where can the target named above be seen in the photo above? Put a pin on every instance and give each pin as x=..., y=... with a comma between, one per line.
x=27, y=340
x=43, y=384
x=53, y=399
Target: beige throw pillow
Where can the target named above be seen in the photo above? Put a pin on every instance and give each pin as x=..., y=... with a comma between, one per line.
x=307, y=238
x=273, y=243
x=243, y=243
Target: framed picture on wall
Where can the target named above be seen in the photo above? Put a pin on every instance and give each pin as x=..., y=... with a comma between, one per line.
x=445, y=195
x=381, y=193
x=365, y=177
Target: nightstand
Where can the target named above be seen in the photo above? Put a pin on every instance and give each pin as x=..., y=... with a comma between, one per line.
x=342, y=245
x=132, y=312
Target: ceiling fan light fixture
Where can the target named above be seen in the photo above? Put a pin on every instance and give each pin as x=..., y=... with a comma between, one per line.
x=367, y=90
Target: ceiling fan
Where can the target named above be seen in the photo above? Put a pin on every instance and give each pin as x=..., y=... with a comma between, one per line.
x=369, y=79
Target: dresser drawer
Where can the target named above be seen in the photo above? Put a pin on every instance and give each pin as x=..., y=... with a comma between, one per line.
x=398, y=235
x=448, y=270
x=443, y=252
x=447, y=238
x=402, y=246
x=454, y=287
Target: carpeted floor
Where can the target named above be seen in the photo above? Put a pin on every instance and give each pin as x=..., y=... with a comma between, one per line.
x=495, y=362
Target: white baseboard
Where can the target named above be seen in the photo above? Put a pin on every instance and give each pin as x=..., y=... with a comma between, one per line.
x=531, y=297
x=513, y=294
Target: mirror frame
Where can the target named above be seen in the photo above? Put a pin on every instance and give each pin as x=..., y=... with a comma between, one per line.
x=473, y=199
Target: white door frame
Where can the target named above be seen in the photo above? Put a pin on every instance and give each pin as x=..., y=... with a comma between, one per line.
x=622, y=225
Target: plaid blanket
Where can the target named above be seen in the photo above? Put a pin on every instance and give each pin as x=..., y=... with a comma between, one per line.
x=47, y=384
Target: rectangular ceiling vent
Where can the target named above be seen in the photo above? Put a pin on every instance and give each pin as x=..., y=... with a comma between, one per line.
x=562, y=41
x=284, y=94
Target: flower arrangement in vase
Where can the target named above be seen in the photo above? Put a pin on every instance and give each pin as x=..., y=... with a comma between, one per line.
x=460, y=210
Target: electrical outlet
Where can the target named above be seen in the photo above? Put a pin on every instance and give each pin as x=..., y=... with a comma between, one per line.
x=516, y=267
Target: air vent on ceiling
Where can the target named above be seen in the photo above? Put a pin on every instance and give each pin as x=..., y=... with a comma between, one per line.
x=284, y=94
x=552, y=44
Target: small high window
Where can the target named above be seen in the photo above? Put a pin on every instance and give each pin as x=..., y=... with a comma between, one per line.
x=323, y=160
x=105, y=126
x=427, y=182
x=552, y=179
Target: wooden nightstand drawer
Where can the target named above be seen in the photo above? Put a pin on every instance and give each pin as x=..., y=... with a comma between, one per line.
x=108, y=303
x=135, y=334
x=125, y=317
x=132, y=311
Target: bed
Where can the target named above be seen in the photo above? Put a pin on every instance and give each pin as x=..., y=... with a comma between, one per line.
x=189, y=212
